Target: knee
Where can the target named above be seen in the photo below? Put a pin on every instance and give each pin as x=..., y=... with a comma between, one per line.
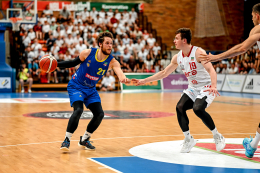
x=21, y=80
x=197, y=109
x=179, y=107
x=99, y=115
x=78, y=112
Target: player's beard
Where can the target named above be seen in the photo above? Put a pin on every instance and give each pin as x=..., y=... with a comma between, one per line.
x=104, y=51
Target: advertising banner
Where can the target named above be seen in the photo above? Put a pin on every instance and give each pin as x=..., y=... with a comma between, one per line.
x=156, y=85
x=234, y=83
x=175, y=82
x=252, y=84
x=220, y=81
x=75, y=6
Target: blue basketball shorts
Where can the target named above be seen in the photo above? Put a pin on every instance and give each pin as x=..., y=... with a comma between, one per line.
x=87, y=95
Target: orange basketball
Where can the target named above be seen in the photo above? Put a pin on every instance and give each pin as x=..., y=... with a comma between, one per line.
x=48, y=63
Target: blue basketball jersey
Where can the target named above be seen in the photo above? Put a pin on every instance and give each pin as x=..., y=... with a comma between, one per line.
x=91, y=70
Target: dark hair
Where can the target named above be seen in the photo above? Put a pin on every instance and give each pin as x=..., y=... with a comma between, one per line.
x=101, y=37
x=185, y=34
x=256, y=8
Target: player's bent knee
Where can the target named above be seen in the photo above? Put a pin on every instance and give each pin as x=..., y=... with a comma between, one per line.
x=100, y=115
x=78, y=111
x=179, y=107
x=198, y=109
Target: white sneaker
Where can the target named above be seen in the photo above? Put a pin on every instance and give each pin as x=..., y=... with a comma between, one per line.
x=187, y=145
x=22, y=91
x=29, y=91
x=219, y=141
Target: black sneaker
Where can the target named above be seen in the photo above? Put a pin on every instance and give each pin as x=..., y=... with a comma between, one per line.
x=86, y=143
x=65, y=144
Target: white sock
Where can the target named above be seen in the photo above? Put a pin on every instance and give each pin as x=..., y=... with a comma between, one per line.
x=187, y=134
x=68, y=135
x=86, y=135
x=255, y=141
x=215, y=131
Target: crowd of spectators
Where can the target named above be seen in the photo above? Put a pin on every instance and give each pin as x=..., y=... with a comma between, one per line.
x=65, y=36
x=247, y=63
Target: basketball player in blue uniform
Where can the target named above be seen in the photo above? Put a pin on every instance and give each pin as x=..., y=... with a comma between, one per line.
x=250, y=144
x=94, y=63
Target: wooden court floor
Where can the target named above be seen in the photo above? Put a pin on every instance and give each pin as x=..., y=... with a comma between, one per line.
x=29, y=144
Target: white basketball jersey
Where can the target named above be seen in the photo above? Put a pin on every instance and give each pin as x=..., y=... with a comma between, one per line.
x=194, y=71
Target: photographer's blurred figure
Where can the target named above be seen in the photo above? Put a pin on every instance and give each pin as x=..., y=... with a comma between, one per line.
x=108, y=82
x=23, y=75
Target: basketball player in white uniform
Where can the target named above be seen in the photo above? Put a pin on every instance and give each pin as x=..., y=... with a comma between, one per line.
x=201, y=77
x=254, y=36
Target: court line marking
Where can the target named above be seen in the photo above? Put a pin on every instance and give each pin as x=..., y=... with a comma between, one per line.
x=3, y=146
x=104, y=165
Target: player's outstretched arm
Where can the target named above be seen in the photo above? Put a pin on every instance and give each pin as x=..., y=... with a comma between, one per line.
x=114, y=64
x=160, y=75
x=81, y=58
x=211, y=71
x=236, y=50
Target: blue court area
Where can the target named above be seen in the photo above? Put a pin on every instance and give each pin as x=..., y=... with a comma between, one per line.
x=65, y=94
x=136, y=164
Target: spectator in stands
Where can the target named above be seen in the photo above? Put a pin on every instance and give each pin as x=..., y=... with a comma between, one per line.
x=34, y=68
x=66, y=16
x=60, y=19
x=35, y=46
x=110, y=13
x=48, y=12
x=149, y=63
x=85, y=15
x=72, y=49
x=138, y=46
x=137, y=32
x=80, y=47
x=31, y=54
x=116, y=53
x=145, y=34
x=131, y=47
x=131, y=64
x=140, y=65
x=25, y=54
x=67, y=56
x=39, y=54
x=106, y=21
x=224, y=69
x=78, y=20
x=31, y=34
x=102, y=13
x=43, y=18
x=53, y=26
x=24, y=77
x=69, y=40
x=157, y=66
x=133, y=14
x=38, y=30
x=126, y=40
x=63, y=49
x=253, y=69
x=156, y=48
x=26, y=39
x=89, y=40
x=125, y=56
x=50, y=42
x=233, y=69
x=165, y=61
x=98, y=21
x=151, y=40
x=113, y=19
x=121, y=47
x=108, y=82
x=59, y=41
x=117, y=14
x=93, y=13
x=143, y=54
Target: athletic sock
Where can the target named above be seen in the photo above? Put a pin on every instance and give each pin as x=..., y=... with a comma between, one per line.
x=215, y=131
x=68, y=135
x=86, y=135
x=255, y=141
x=187, y=134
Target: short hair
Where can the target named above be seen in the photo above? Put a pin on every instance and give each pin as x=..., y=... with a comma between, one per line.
x=101, y=37
x=185, y=34
x=256, y=8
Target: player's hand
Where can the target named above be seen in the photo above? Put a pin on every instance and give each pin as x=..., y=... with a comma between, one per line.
x=208, y=58
x=139, y=81
x=212, y=91
x=125, y=81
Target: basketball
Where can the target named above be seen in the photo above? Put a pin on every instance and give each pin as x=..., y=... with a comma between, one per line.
x=48, y=63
